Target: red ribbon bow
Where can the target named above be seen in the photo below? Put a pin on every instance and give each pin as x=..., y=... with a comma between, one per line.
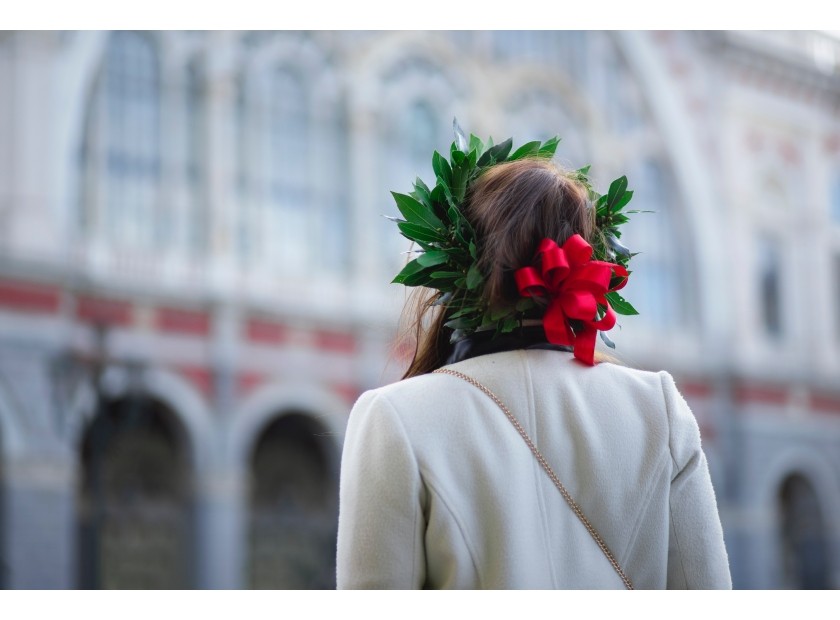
x=574, y=286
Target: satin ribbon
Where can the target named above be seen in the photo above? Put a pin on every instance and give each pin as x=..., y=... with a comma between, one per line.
x=574, y=286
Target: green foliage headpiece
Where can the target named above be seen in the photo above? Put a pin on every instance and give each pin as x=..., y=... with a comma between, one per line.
x=448, y=249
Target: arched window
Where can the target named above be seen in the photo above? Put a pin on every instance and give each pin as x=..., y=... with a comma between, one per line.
x=286, y=173
x=804, y=543
x=331, y=187
x=291, y=180
x=195, y=165
x=133, y=499
x=768, y=265
x=293, y=506
x=122, y=146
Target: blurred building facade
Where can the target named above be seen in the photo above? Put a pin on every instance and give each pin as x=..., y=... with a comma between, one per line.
x=193, y=276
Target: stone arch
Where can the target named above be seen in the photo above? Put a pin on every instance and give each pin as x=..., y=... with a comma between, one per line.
x=802, y=535
x=693, y=178
x=289, y=457
x=136, y=493
x=821, y=475
x=188, y=406
x=259, y=408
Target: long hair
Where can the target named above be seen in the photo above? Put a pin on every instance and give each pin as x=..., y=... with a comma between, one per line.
x=512, y=207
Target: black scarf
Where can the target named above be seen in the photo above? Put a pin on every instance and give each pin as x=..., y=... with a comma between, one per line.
x=483, y=343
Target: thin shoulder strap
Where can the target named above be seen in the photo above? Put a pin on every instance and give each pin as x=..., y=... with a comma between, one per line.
x=569, y=500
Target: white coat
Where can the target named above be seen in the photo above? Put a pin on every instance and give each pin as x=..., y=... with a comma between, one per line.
x=438, y=490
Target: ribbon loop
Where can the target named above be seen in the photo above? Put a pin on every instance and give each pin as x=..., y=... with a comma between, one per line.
x=575, y=286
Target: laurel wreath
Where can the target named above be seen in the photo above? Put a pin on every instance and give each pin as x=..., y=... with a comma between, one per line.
x=448, y=252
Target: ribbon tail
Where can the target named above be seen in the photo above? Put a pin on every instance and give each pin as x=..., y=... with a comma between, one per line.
x=585, y=345
x=556, y=327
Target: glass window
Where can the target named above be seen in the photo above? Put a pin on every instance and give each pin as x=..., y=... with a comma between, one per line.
x=196, y=148
x=836, y=293
x=333, y=193
x=6, y=123
x=246, y=221
x=286, y=179
x=768, y=261
x=131, y=116
x=835, y=199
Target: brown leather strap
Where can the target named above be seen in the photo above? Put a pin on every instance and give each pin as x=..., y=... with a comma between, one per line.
x=569, y=500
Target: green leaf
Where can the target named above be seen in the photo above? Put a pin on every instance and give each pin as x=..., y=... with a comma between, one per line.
x=601, y=202
x=476, y=144
x=447, y=192
x=422, y=193
x=439, y=275
x=464, y=312
x=419, y=233
x=508, y=325
x=473, y=250
x=461, y=323
x=438, y=196
x=549, y=147
x=421, y=278
x=617, y=187
x=584, y=171
x=410, y=269
x=526, y=303
x=528, y=148
x=415, y=213
x=495, y=153
x=621, y=202
x=441, y=168
x=458, y=157
x=474, y=278
x=430, y=259
x=497, y=314
x=471, y=159
x=620, y=305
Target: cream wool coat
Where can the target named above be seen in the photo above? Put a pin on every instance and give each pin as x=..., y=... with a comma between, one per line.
x=438, y=490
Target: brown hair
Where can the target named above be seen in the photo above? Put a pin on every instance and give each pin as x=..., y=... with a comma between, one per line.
x=512, y=207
